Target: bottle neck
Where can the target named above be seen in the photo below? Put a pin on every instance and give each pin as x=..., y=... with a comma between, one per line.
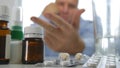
x=3, y=24
x=33, y=35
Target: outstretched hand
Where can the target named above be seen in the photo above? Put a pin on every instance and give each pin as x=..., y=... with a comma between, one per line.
x=63, y=37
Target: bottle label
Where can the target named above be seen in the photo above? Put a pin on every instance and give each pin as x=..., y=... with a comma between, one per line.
x=33, y=50
x=36, y=35
x=15, y=51
x=7, y=50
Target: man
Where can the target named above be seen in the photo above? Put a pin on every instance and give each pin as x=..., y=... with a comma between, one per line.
x=68, y=32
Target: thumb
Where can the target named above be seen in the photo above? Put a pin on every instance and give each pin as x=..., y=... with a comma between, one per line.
x=50, y=8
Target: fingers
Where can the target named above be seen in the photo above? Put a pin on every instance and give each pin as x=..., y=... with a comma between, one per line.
x=51, y=41
x=48, y=41
x=53, y=36
x=45, y=25
x=57, y=20
x=76, y=18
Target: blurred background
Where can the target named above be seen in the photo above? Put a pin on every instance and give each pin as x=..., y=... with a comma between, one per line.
x=35, y=7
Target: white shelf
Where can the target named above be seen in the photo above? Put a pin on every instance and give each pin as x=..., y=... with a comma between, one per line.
x=27, y=66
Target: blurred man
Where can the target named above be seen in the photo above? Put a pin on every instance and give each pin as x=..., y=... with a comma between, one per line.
x=65, y=31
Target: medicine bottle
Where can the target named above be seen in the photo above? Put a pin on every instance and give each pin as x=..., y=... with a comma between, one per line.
x=33, y=49
x=16, y=33
x=4, y=35
x=16, y=45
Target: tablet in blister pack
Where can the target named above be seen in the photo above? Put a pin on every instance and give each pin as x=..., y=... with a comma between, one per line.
x=64, y=60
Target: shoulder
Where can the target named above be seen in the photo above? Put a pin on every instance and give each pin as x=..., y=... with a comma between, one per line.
x=85, y=21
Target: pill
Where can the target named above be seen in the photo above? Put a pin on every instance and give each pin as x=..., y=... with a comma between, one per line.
x=78, y=56
x=64, y=56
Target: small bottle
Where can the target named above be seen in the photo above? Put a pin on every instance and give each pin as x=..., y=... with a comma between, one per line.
x=33, y=49
x=5, y=36
x=16, y=36
x=16, y=45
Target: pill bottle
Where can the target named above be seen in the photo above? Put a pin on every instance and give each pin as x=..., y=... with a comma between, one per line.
x=33, y=49
x=5, y=36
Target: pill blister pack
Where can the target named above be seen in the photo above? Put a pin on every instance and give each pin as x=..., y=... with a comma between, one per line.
x=92, y=62
x=102, y=62
x=64, y=60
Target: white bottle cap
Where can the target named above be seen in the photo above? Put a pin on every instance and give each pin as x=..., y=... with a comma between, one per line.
x=4, y=13
x=34, y=32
